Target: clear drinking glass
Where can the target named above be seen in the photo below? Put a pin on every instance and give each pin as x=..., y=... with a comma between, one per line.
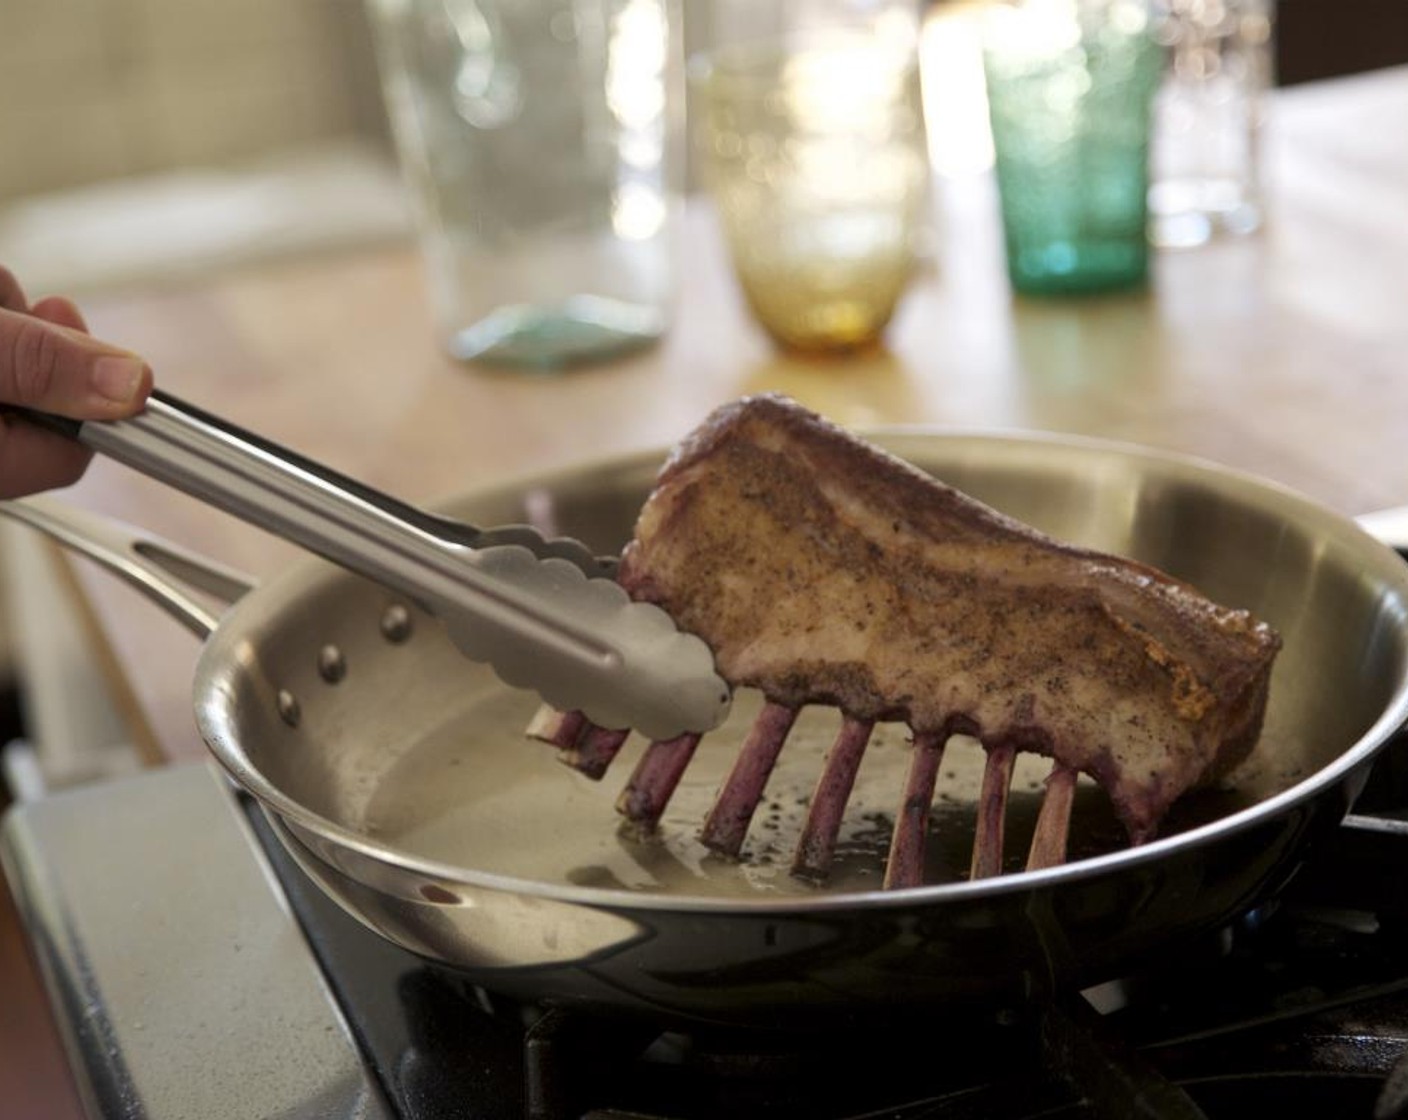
x=1206, y=175
x=811, y=140
x=540, y=143
x=1070, y=90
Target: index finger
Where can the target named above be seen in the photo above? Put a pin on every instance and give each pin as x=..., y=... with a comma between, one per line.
x=57, y=369
x=12, y=297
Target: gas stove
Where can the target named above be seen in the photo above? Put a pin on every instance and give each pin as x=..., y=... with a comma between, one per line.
x=197, y=973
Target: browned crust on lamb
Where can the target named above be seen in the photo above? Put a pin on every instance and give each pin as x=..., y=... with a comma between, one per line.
x=824, y=570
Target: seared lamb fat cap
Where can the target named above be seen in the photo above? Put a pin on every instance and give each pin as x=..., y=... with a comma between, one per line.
x=822, y=570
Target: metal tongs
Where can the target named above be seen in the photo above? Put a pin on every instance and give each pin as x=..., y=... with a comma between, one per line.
x=546, y=614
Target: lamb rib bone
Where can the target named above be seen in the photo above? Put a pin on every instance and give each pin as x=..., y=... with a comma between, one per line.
x=1053, y=822
x=905, y=865
x=828, y=804
x=726, y=826
x=653, y=782
x=992, y=811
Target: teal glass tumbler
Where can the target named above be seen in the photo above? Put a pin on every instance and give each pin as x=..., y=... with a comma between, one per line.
x=1070, y=87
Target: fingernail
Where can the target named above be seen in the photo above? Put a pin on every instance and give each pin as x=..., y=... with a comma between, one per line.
x=117, y=378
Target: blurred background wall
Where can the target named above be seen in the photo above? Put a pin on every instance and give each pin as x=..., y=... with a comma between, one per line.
x=143, y=139
x=1328, y=38
x=103, y=89
x=149, y=139
x=97, y=90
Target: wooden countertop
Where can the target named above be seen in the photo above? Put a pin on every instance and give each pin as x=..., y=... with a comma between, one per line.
x=1285, y=354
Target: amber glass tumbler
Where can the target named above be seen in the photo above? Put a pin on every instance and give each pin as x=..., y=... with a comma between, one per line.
x=813, y=149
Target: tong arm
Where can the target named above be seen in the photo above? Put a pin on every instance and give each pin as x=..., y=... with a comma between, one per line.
x=529, y=607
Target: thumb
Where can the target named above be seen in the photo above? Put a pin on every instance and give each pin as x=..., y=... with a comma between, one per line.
x=58, y=369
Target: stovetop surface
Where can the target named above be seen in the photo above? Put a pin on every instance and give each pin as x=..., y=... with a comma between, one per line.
x=208, y=977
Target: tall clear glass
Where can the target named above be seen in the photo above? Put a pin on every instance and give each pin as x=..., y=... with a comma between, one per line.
x=541, y=144
x=1206, y=166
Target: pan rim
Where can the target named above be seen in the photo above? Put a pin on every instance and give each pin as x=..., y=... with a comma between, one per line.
x=1387, y=568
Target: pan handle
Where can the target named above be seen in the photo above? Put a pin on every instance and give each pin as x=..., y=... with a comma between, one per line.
x=164, y=572
x=1388, y=525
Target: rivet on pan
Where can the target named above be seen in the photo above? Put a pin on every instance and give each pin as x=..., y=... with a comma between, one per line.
x=332, y=665
x=289, y=711
x=396, y=623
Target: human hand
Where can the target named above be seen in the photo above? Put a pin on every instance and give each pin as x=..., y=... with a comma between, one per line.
x=49, y=362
